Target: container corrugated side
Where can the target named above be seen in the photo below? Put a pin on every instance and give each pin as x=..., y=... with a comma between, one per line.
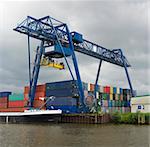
x=63, y=101
x=16, y=97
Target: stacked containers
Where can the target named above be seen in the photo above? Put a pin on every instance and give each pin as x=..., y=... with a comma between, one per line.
x=39, y=93
x=4, y=100
x=66, y=95
x=11, y=103
x=116, y=99
x=16, y=101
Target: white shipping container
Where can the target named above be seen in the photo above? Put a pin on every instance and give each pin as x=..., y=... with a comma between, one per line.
x=118, y=90
x=101, y=89
x=89, y=87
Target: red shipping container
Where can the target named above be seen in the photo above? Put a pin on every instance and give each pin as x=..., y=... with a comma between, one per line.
x=13, y=110
x=107, y=89
x=39, y=88
x=3, y=105
x=4, y=100
x=13, y=104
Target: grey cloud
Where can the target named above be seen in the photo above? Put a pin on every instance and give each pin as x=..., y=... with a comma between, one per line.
x=119, y=24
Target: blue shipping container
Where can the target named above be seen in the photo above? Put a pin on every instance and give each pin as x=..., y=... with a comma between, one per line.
x=63, y=93
x=63, y=101
x=5, y=94
x=109, y=103
x=121, y=91
x=114, y=90
x=62, y=85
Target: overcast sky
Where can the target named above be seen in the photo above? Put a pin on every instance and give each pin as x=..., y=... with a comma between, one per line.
x=112, y=24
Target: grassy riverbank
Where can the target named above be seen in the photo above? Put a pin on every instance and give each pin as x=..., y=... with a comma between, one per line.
x=131, y=118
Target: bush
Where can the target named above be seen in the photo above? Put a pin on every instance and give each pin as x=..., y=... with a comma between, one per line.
x=116, y=117
x=129, y=118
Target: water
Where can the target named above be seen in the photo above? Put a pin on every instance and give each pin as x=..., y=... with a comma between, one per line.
x=73, y=135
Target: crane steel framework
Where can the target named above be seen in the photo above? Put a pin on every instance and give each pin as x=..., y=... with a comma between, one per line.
x=55, y=33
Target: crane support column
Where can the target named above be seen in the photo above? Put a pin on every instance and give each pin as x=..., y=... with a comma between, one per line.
x=76, y=70
x=35, y=73
x=29, y=57
x=97, y=77
x=127, y=74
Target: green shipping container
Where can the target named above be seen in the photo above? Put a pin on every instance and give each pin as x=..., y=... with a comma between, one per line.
x=113, y=103
x=116, y=103
x=16, y=97
x=105, y=96
x=119, y=103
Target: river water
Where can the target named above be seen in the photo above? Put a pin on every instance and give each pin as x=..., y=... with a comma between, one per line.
x=73, y=135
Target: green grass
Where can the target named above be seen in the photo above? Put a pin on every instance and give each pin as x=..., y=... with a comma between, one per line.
x=129, y=118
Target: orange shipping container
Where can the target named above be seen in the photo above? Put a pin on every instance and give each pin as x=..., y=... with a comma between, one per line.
x=39, y=88
x=37, y=95
x=38, y=104
x=92, y=87
x=3, y=100
x=15, y=104
x=111, y=96
x=3, y=105
x=13, y=110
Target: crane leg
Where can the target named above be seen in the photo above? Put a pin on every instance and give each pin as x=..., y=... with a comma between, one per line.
x=76, y=71
x=97, y=77
x=127, y=74
x=35, y=74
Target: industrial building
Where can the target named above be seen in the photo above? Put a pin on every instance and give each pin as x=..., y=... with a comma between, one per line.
x=140, y=104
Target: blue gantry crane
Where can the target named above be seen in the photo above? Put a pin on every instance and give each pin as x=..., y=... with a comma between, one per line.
x=52, y=32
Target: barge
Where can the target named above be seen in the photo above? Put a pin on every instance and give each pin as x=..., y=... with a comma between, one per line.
x=31, y=116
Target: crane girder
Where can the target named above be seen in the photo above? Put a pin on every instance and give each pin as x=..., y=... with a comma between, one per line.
x=42, y=29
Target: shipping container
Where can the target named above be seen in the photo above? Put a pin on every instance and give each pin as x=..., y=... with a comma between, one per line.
x=16, y=97
x=107, y=89
x=88, y=86
x=3, y=99
x=63, y=93
x=121, y=91
x=118, y=90
x=38, y=104
x=110, y=96
x=105, y=103
x=114, y=90
x=121, y=97
x=105, y=96
x=71, y=84
x=39, y=88
x=5, y=94
x=126, y=91
x=3, y=105
x=63, y=101
x=14, y=104
x=13, y=109
x=101, y=89
x=111, y=90
x=116, y=97
x=109, y=103
x=113, y=103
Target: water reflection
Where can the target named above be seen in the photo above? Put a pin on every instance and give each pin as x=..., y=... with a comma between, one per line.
x=75, y=135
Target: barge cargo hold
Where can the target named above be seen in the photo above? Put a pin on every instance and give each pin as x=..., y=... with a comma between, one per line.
x=31, y=116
